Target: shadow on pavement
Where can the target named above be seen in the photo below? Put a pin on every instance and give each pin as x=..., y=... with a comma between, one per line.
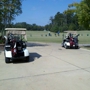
x=32, y=57
x=35, y=44
x=86, y=47
x=1, y=48
x=0, y=52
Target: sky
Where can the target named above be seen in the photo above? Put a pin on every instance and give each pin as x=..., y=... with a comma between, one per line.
x=39, y=11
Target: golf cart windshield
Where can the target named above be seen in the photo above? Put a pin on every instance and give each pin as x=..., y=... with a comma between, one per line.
x=16, y=37
x=69, y=34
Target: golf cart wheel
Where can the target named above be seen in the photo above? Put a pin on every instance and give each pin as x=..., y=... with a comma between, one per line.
x=62, y=45
x=76, y=47
x=27, y=59
x=66, y=46
x=7, y=60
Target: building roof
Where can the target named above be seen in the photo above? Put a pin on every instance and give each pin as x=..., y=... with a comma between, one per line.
x=17, y=29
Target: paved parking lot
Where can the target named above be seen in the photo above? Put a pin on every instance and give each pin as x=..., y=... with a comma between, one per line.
x=51, y=67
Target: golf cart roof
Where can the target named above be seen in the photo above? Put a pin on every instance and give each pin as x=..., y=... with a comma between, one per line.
x=72, y=32
x=16, y=29
x=67, y=33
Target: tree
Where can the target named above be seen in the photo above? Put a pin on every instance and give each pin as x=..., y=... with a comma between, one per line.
x=55, y=28
x=57, y=22
x=8, y=10
x=82, y=10
x=48, y=27
x=71, y=19
x=59, y=19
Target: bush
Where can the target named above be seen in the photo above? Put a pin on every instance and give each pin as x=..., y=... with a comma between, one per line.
x=2, y=40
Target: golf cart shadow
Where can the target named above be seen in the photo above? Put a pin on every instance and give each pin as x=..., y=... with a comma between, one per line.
x=1, y=48
x=36, y=44
x=32, y=57
x=72, y=48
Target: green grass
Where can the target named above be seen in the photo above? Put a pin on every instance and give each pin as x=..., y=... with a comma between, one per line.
x=84, y=37
x=40, y=36
x=86, y=47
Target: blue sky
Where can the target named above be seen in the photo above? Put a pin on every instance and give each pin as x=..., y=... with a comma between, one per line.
x=40, y=11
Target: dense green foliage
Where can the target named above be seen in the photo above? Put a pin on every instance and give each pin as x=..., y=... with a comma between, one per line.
x=76, y=17
x=8, y=10
x=63, y=21
x=82, y=11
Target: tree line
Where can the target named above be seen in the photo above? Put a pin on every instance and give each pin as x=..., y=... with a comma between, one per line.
x=76, y=17
x=30, y=27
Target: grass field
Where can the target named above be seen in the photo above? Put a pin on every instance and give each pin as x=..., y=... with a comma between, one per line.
x=42, y=36
x=86, y=47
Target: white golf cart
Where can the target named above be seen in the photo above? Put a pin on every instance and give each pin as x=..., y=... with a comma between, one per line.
x=70, y=39
x=15, y=48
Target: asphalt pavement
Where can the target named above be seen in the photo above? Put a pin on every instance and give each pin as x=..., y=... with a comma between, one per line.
x=50, y=67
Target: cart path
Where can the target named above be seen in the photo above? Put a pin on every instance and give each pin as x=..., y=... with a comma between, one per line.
x=50, y=67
